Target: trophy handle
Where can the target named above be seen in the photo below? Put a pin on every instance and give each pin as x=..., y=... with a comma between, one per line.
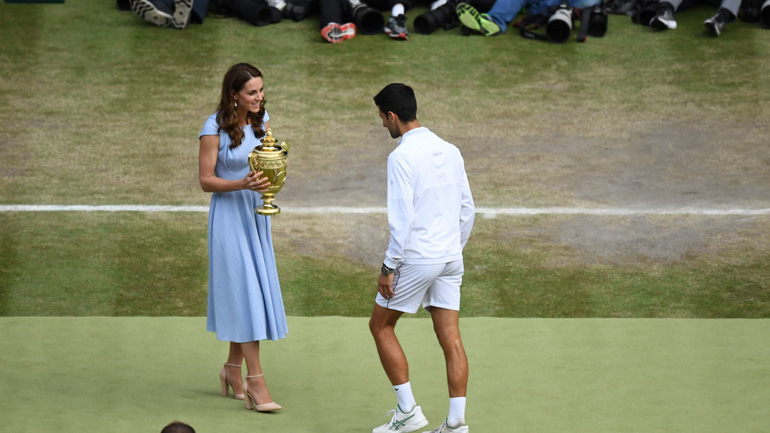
x=285, y=147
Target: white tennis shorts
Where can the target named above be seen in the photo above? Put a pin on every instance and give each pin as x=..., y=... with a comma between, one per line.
x=429, y=285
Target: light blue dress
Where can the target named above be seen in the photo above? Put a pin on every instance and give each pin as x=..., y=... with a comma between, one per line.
x=244, y=301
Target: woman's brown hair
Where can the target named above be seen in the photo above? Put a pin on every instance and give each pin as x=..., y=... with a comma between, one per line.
x=235, y=78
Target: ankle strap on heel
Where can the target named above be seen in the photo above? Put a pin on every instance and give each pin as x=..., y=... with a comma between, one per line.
x=233, y=365
x=254, y=376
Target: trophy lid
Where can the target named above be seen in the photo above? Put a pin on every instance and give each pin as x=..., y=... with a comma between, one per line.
x=268, y=142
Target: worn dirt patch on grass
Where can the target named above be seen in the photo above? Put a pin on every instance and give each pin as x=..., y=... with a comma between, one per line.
x=650, y=165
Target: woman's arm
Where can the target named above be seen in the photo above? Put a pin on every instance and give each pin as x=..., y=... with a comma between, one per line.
x=207, y=162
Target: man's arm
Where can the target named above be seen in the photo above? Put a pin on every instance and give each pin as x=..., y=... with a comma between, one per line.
x=400, y=209
x=467, y=211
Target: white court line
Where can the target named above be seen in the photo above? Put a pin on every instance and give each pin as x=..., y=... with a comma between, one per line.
x=483, y=211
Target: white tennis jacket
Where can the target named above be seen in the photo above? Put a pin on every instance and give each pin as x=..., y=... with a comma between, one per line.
x=430, y=206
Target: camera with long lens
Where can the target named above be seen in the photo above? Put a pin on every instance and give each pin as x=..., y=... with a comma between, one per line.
x=597, y=22
x=368, y=21
x=442, y=16
x=764, y=13
x=256, y=12
x=560, y=23
x=445, y=15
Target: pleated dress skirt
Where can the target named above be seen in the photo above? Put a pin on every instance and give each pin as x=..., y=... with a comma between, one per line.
x=244, y=298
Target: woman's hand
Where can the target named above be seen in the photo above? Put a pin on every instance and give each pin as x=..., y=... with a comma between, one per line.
x=255, y=182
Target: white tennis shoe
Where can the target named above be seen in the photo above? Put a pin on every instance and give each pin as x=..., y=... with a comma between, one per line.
x=403, y=422
x=444, y=428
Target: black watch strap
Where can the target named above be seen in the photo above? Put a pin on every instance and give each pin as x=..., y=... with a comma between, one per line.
x=386, y=270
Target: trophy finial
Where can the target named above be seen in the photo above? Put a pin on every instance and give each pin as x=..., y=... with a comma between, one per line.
x=269, y=141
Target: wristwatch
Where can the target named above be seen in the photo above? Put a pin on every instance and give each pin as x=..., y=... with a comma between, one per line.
x=386, y=270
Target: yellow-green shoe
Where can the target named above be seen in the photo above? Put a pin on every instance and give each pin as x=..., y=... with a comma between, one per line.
x=474, y=20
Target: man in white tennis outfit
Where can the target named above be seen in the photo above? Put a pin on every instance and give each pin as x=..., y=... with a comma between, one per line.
x=430, y=214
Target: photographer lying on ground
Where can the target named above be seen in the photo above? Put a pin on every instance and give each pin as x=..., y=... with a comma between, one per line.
x=503, y=12
x=179, y=13
x=729, y=10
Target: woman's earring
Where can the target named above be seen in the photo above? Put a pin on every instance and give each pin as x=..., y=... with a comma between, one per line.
x=236, y=104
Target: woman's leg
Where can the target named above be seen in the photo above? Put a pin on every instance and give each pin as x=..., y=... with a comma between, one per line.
x=256, y=385
x=233, y=374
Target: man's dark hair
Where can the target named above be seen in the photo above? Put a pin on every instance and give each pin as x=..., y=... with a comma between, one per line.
x=177, y=427
x=398, y=98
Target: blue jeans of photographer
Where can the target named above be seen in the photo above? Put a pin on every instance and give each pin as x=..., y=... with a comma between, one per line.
x=504, y=11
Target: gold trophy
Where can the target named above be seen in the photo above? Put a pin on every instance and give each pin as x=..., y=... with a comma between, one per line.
x=270, y=159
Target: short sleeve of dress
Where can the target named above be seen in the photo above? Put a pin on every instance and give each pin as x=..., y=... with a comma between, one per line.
x=210, y=127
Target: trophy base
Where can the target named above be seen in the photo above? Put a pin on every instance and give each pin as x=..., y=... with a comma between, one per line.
x=268, y=210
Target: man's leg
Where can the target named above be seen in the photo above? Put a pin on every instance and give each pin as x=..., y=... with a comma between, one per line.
x=447, y=327
x=408, y=416
x=382, y=324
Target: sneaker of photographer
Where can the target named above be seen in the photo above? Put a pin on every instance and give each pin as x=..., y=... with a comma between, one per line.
x=664, y=19
x=476, y=21
x=182, y=10
x=396, y=27
x=152, y=11
x=403, y=422
x=334, y=32
x=716, y=23
x=444, y=428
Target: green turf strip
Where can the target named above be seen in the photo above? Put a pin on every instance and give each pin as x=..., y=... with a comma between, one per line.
x=137, y=374
x=156, y=264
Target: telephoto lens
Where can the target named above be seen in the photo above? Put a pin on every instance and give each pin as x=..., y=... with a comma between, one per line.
x=368, y=21
x=255, y=12
x=441, y=16
x=559, y=24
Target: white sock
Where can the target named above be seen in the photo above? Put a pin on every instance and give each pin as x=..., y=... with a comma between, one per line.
x=397, y=10
x=456, y=416
x=405, y=397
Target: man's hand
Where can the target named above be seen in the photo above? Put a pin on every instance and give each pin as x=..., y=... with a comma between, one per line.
x=385, y=285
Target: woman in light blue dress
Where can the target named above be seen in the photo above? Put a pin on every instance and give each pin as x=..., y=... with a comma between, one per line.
x=244, y=299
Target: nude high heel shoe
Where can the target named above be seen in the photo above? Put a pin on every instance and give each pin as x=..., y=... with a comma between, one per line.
x=226, y=384
x=251, y=401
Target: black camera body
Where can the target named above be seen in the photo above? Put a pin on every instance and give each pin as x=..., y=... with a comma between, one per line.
x=298, y=10
x=764, y=13
x=597, y=22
